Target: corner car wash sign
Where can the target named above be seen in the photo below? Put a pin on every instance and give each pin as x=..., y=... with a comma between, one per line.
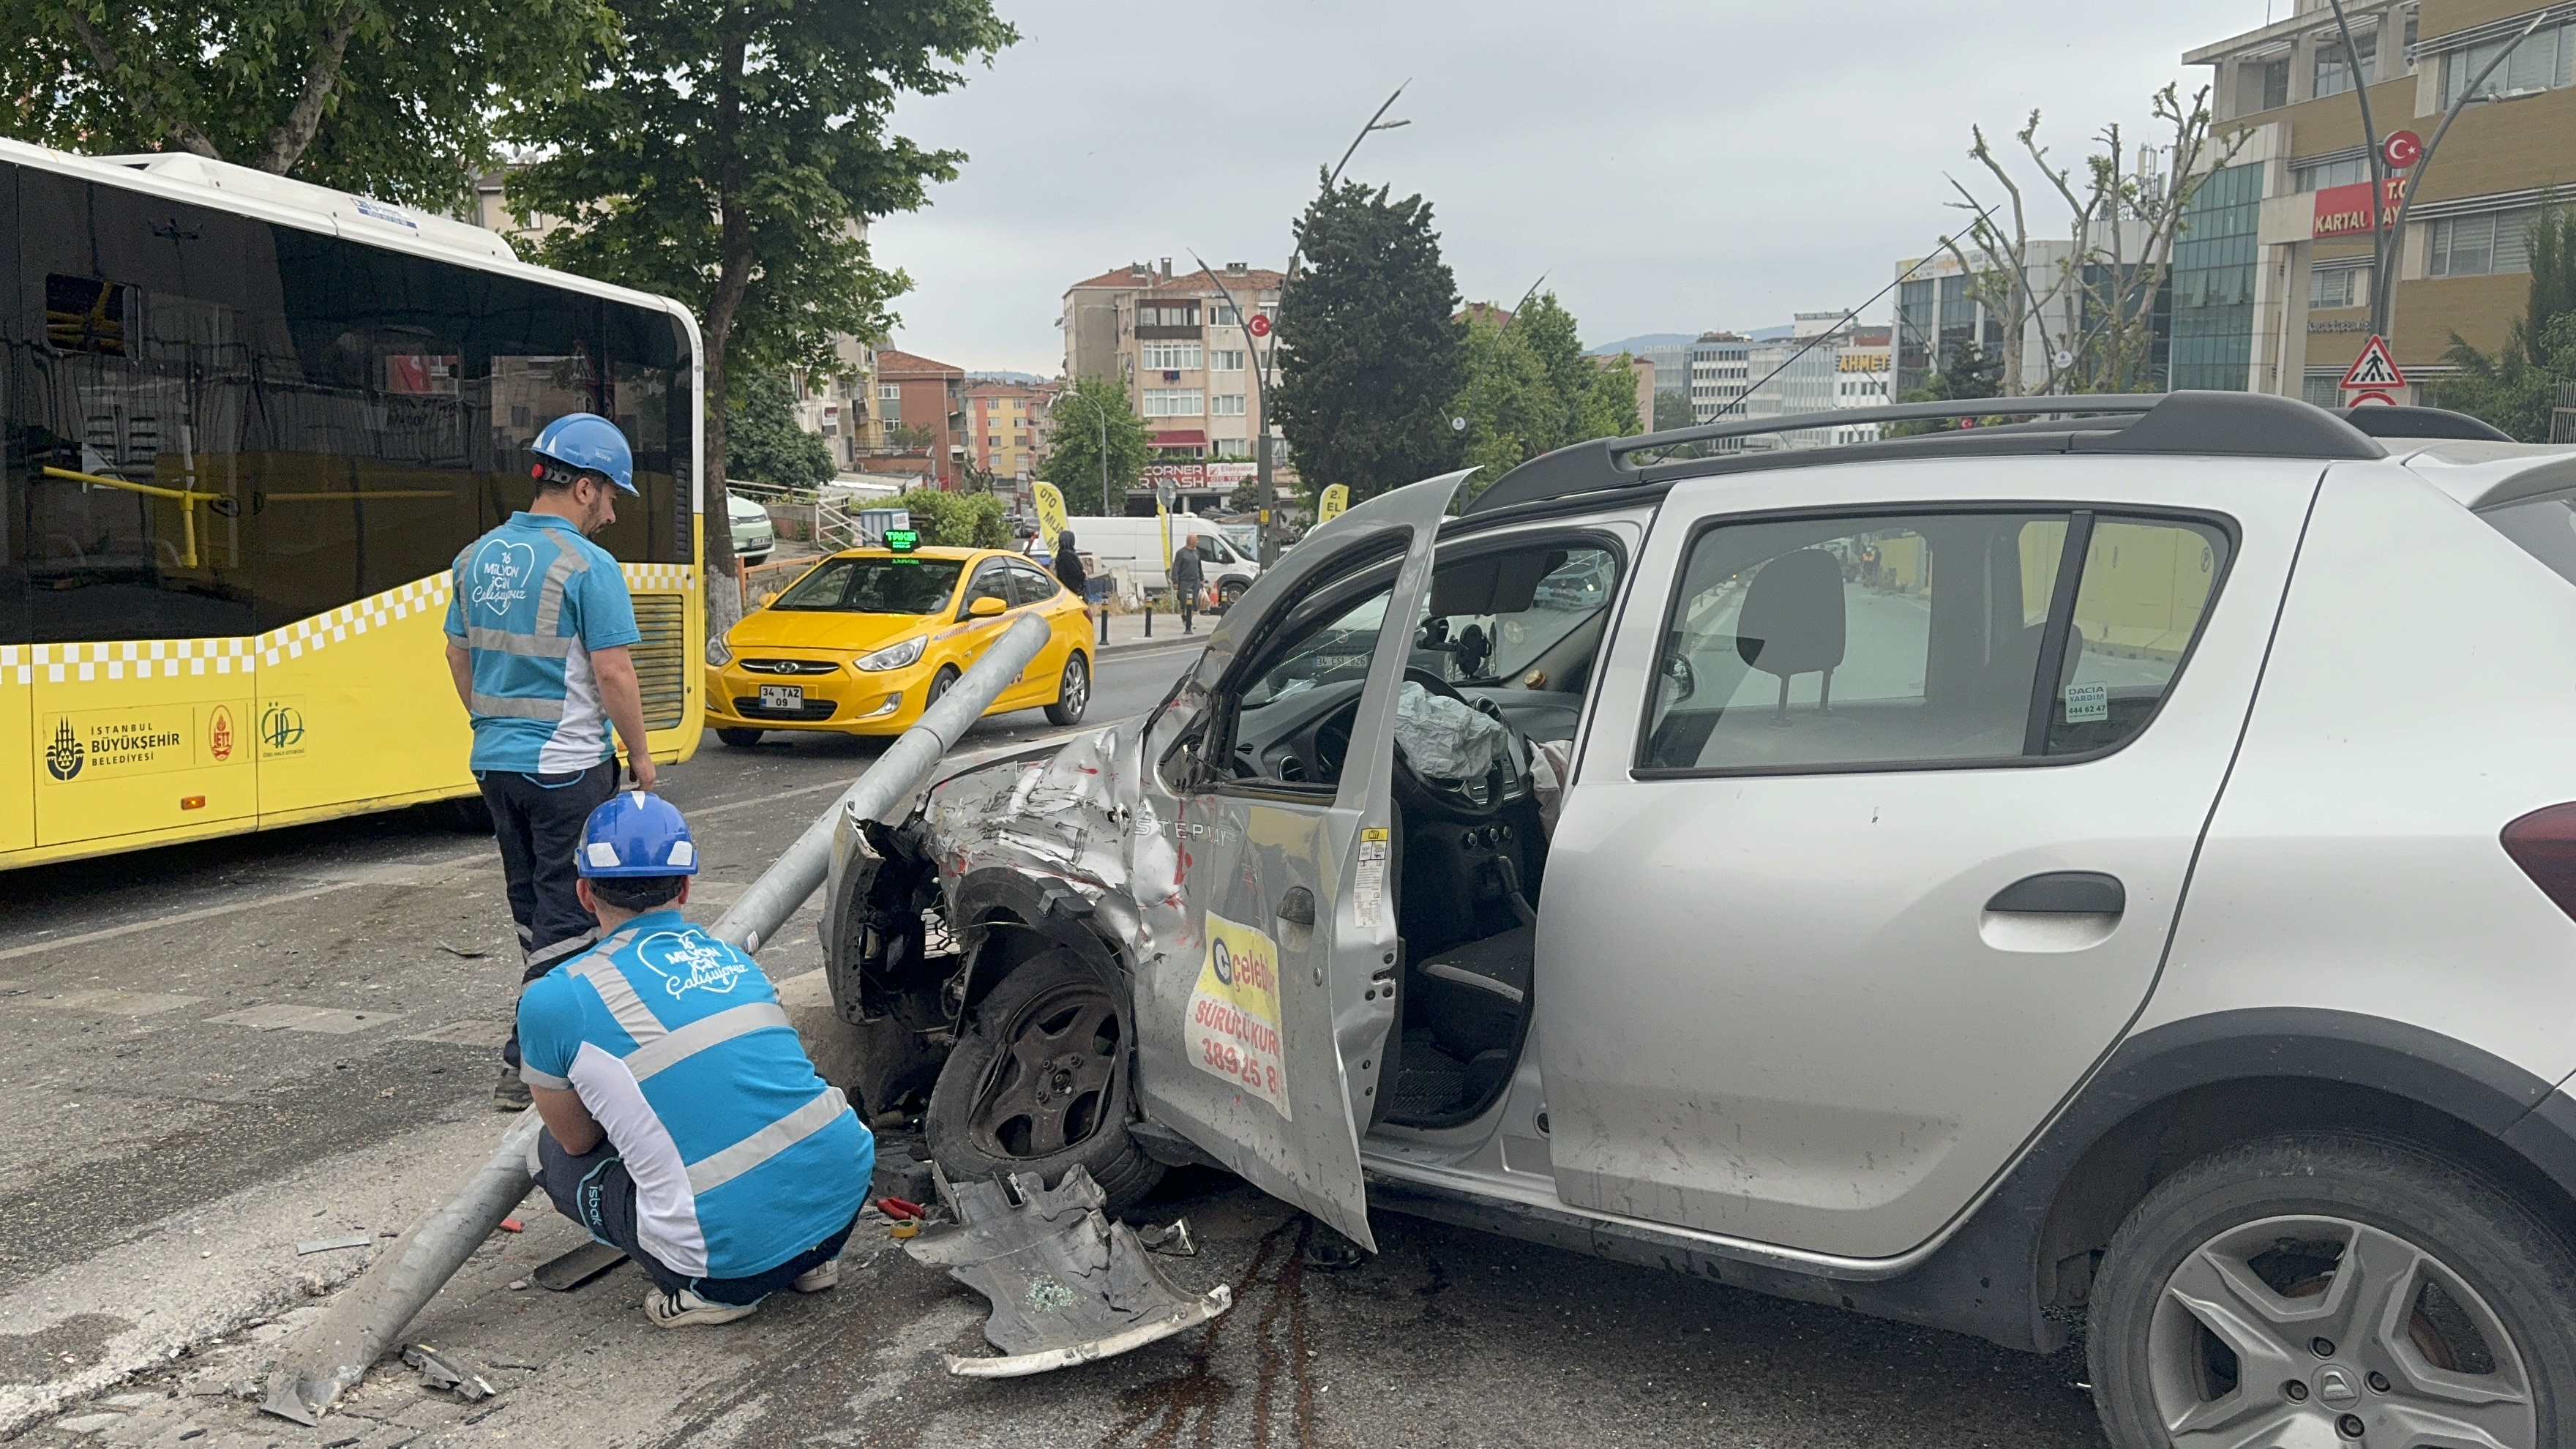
x=2346, y=210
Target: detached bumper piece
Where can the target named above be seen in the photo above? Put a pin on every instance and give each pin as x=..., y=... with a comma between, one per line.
x=1067, y=1285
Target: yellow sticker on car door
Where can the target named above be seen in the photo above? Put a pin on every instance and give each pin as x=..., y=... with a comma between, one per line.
x=1234, y=1013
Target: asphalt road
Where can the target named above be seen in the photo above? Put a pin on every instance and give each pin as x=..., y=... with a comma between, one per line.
x=214, y=1055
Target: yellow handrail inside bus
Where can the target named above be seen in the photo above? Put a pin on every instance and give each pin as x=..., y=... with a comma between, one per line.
x=187, y=503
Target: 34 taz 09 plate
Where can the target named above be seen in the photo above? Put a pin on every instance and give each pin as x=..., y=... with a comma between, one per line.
x=782, y=696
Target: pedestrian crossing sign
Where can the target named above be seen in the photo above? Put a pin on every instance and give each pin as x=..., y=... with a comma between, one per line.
x=2375, y=370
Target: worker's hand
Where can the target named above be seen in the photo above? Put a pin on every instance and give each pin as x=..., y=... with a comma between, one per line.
x=645, y=774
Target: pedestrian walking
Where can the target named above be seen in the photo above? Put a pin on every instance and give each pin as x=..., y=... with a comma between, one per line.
x=1188, y=581
x=538, y=628
x=684, y=1122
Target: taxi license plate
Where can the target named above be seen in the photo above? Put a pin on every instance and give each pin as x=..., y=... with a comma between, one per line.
x=782, y=696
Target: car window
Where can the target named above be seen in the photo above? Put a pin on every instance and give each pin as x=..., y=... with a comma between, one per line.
x=874, y=586
x=992, y=581
x=1031, y=586
x=1212, y=548
x=2543, y=527
x=1857, y=642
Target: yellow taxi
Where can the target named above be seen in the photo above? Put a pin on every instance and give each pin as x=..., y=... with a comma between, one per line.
x=866, y=639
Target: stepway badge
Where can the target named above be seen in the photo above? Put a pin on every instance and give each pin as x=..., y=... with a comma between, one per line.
x=1234, y=1013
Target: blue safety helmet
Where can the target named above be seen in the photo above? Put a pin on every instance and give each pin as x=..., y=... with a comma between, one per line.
x=584, y=443
x=637, y=833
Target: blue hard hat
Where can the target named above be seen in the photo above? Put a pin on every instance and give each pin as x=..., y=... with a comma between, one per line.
x=637, y=833
x=589, y=443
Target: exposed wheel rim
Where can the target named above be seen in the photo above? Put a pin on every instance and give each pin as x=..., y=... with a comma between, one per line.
x=2304, y=1329
x=1049, y=1090
x=1076, y=692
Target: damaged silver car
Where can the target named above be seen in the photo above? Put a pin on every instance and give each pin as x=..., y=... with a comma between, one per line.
x=2116, y=869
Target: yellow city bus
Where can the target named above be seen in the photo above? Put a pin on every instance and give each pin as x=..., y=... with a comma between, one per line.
x=251, y=422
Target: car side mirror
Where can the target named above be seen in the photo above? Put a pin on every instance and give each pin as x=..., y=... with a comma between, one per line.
x=985, y=607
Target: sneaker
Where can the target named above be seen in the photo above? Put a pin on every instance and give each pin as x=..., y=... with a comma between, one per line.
x=686, y=1309
x=819, y=1277
x=511, y=1094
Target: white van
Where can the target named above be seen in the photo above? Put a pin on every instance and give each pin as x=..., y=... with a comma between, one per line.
x=1136, y=544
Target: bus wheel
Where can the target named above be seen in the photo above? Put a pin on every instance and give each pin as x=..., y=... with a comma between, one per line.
x=739, y=739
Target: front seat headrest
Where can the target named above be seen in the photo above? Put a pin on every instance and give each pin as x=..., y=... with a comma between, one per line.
x=1792, y=619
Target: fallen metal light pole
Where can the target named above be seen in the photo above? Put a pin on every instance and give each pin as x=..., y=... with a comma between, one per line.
x=320, y=1364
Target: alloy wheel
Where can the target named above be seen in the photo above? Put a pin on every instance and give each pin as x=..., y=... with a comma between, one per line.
x=1050, y=1088
x=2324, y=1330
x=1076, y=692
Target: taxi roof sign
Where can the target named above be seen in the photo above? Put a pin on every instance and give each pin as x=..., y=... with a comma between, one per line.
x=2375, y=370
x=903, y=540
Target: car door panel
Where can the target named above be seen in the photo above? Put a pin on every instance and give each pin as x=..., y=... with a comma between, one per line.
x=1778, y=1006
x=1248, y=1060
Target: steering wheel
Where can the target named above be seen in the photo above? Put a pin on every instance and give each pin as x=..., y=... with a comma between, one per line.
x=1448, y=799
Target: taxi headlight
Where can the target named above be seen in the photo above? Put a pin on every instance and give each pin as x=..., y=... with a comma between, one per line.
x=894, y=656
x=719, y=653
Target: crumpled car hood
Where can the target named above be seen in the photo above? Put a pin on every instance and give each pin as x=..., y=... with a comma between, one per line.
x=1080, y=816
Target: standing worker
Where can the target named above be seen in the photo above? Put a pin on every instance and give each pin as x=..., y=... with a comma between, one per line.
x=537, y=635
x=1188, y=580
x=684, y=1122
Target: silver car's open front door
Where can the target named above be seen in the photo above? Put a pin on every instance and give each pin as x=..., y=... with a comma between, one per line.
x=1262, y=1004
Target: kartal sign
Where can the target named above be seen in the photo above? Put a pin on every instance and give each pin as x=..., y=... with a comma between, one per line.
x=2346, y=210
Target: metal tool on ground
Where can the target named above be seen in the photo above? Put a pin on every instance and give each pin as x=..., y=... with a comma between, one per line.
x=321, y=1363
x=571, y=1270
x=1067, y=1285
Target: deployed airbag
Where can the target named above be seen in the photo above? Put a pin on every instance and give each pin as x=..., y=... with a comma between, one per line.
x=1448, y=739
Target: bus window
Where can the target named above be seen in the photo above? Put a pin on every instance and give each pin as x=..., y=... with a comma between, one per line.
x=224, y=425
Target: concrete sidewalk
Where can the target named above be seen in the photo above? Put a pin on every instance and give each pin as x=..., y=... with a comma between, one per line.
x=1127, y=632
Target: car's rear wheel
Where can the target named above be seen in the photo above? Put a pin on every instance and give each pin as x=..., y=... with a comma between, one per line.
x=1038, y=1083
x=2333, y=1289
x=1072, y=692
x=740, y=739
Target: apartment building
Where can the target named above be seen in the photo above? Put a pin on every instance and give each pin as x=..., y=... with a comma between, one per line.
x=2277, y=301
x=921, y=405
x=1864, y=377
x=1173, y=341
x=834, y=404
x=1003, y=420
x=1720, y=368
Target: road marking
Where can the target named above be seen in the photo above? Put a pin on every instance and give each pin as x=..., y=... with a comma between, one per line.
x=285, y=1016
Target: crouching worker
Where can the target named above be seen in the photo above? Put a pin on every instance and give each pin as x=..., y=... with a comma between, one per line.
x=684, y=1122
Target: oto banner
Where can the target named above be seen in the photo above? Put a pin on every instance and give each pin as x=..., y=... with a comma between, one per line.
x=1050, y=501
x=1332, y=503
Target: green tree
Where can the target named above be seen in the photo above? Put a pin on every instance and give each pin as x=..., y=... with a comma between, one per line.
x=1530, y=390
x=2518, y=386
x=394, y=98
x=1972, y=372
x=1375, y=353
x=1673, y=410
x=765, y=445
x=1072, y=462
x=957, y=520
x=727, y=154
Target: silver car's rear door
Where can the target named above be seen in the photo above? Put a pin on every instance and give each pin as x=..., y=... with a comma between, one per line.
x=1264, y=977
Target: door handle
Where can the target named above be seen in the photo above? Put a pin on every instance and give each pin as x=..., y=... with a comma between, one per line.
x=2063, y=893
x=1297, y=907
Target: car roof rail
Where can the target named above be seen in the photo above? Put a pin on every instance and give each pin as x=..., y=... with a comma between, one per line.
x=2381, y=421
x=2188, y=423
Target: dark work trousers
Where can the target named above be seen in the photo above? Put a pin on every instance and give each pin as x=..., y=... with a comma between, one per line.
x=594, y=1191
x=538, y=820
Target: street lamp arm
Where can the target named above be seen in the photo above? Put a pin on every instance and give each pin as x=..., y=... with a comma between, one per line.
x=2378, y=169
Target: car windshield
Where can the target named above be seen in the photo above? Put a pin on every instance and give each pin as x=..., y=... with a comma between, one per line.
x=1501, y=619
x=875, y=586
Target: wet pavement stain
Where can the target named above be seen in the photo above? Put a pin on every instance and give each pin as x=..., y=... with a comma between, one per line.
x=1194, y=1399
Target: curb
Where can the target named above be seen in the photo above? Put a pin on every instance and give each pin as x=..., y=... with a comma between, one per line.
x=1150, y=646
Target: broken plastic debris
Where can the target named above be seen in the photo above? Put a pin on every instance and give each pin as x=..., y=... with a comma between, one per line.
x=437, y=1372
x=513, y=1225
x=333, y=1245
x=1067, y=1285
x=895, y=1207
x=1173, y=1241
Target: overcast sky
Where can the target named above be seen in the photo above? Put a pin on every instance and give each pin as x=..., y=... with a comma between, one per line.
x=1670, y=165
